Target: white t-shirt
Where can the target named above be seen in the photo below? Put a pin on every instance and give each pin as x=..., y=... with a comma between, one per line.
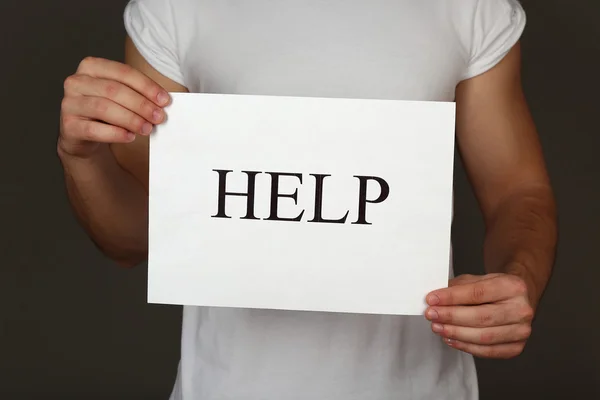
x=381, y=49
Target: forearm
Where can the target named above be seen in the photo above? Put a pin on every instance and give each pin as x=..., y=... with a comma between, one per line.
x=110, y=204
x=521, y=238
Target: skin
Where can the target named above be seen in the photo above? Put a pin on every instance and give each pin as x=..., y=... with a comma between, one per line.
x=104, y=149
x=103, y=146
x=490, y=316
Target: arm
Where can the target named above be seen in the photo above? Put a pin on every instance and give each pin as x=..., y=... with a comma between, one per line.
x=105, y=168
x=503, y=159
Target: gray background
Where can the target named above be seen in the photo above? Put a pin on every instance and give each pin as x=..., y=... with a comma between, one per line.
x=72, y=325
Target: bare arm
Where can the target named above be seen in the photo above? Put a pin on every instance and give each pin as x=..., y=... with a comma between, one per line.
x=503, y=158
x=491, y=315
x=106, y=169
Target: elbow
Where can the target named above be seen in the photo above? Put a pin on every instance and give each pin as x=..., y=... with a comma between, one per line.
x=124, y=257
x=127, y=263
x=128, y=259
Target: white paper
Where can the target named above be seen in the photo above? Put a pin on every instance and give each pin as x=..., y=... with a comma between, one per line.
x=386, y=267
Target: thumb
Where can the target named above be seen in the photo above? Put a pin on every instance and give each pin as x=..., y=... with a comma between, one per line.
x=468, y=278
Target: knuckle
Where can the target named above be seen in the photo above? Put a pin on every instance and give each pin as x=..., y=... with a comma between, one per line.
x=517, y=285
x=68, y=123
x=485, y=318
x=487, y=337
x=86, y=63
x=478, y=292
x=459, y=280
x=69, y=83
x=526, y=313
x=490, y=352
x=124, y=69
x=88, y=131
x=118, y=132
x=111, y=90
x=446, y=316
x=526, y=332
x=100, y=106
x=150, y=89
x=520, y=287
x=64, y=104
x=146, y=108
x=449, y=332
x=136, y=123
x=504, y=315
x=518, y=349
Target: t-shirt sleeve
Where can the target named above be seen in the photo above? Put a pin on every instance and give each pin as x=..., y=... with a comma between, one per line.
x=152, y=27
x=497, y=26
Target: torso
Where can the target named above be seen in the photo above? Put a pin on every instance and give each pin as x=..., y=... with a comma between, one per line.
x=360, y=49
x=382, y=49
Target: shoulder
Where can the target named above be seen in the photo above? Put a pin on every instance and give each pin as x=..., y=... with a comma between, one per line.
x=486, y=29
x=158, y=30
x=169, y=15
x=482, y=14
x=162, y=5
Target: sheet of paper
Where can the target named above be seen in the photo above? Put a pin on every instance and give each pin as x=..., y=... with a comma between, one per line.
x=336, y=205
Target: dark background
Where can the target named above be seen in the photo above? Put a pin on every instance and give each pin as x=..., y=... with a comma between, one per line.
x=74, y=326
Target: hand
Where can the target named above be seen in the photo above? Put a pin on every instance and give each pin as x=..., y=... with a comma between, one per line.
x=107, y=102
x=488, y=316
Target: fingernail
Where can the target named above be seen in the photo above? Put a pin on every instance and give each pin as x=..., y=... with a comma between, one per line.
x=163, y=98
x=156, y=115
x=450, y=341
x=130, y=136
x=432, y=299
x=146, y=129
x=432, y=314
x=437, y=328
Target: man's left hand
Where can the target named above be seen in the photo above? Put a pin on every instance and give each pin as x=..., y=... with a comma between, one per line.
x=488, y=316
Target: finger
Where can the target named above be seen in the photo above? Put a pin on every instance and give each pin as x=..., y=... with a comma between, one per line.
x=115, y=71
x=481, y=292
x=117, y=92
x=95, y=131
x=100, y=108
x=462, y=279
x=481, y=316
x=467, y=278
x=487, y=336
x=501, y=351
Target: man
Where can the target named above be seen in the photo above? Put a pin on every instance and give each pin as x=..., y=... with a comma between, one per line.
x=440, y=50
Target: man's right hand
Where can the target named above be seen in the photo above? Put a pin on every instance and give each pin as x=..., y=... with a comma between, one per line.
x=107, y=102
